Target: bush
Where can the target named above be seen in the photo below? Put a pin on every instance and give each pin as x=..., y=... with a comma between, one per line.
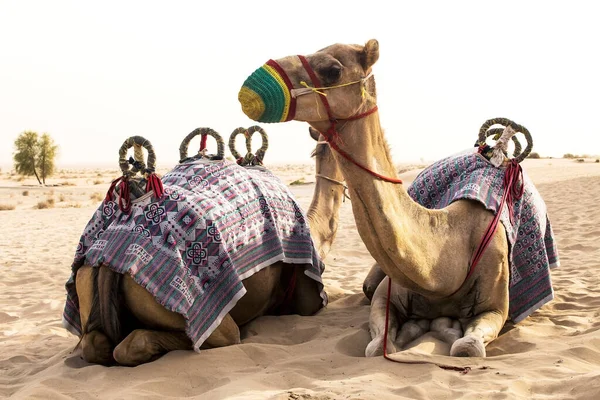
x=7, y=207
x=534, y=155
x=96, y=196
x=25, y=192
x=569, y=155
x=44, y=204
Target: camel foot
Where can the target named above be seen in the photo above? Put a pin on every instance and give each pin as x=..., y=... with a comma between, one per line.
x=468, y=346
x=96, y=348
x=411, y=330
x=446, y=329
x=142, y=346
x=375, y=347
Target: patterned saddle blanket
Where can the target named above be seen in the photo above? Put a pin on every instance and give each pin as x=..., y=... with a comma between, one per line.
x=216, y=224
x=532, y=247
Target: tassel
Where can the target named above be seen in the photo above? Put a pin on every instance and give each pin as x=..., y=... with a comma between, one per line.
x=155, y=184
x=124, y=197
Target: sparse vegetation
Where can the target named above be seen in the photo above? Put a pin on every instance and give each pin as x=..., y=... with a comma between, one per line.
x=33, y=153
x=7, y=207
x=298, y=182
x=67, y=183
x=96, y=196
x=25, y=192
x=61, y=198
x=534, y=155
x=98, y=182
x=44, y=204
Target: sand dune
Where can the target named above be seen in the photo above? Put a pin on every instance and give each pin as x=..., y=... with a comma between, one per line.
x=555, y=353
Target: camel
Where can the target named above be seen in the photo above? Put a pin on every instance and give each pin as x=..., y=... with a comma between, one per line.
x=123, y=323
x=425, y=252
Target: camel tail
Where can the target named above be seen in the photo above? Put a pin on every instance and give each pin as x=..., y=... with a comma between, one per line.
x=106, y=310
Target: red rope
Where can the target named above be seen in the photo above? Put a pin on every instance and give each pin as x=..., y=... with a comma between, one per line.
x=124, y=200
x=155, y=184
x=512, y=192
x=124, y=197
x=203, y=141
x=387, y=320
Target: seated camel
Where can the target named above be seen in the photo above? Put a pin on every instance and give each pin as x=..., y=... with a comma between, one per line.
x=156, y=278
x=425, y=254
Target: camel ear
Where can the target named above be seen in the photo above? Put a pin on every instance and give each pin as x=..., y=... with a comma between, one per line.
x=314, y=133
x=370, y=54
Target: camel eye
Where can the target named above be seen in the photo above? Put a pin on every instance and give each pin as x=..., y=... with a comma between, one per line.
x=331, y=74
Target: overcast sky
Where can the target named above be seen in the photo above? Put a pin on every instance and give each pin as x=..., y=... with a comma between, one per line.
x=93, y=73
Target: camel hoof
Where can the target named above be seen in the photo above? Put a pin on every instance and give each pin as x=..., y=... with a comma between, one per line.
x=439, y=324
x=134, y=350
x=468, y=346
x=96, y=348
x=375, y=348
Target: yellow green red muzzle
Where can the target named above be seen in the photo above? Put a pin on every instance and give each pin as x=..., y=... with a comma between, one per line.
x=266, y=96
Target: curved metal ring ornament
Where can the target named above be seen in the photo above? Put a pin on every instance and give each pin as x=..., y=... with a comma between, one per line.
x=232, y=138
x=506, y=122
x=183, y=148
x=137, y=142
x=249, y=158
x=495, y=133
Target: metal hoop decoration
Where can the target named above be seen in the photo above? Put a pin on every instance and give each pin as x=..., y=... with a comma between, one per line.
x=260, y=153
x=237, y=131
x=204, y=133
x=137, y=163
x=507, y=122
x=495, y=133
x=121, y=185
x=249, y=158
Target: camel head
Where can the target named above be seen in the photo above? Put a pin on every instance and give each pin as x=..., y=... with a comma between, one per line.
x=333, y=83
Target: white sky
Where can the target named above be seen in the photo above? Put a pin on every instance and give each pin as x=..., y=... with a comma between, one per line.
x=93, y=73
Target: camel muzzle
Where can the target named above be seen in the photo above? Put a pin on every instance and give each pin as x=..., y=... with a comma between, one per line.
x=266, y=95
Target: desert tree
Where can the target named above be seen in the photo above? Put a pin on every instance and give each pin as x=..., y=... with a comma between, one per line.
x=47, y=151
x=26, y=152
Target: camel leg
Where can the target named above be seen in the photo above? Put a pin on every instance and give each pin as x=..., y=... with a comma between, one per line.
x=143, y=345
x=307, y=297
x=446, y=329
x=377, y=322
x=373, y=280
x=411, y=330
x=479, y=331
x=96, y=348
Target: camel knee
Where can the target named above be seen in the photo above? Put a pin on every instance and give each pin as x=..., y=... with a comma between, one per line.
x=96, y=348
x=226, y=334
x=307, y=296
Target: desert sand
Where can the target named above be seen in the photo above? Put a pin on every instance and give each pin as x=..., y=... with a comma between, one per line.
x=555, y=353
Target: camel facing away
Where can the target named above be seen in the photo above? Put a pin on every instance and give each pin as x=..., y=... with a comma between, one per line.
x=122, y=322
x=425, y=252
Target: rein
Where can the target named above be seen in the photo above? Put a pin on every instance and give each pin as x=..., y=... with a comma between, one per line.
x=331, y=134
x=511, y=192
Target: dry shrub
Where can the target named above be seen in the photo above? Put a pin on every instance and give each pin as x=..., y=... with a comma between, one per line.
x=44, y=204
x=67, y=183
x=298, y=182
x=7, y=207
x=25, y=192
x=61, y=198
x=96, y=196
x=98, y=182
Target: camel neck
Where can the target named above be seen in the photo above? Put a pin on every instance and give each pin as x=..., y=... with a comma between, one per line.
x=390, y=223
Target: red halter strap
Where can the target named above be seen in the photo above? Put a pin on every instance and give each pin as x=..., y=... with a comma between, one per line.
x=331, y=134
